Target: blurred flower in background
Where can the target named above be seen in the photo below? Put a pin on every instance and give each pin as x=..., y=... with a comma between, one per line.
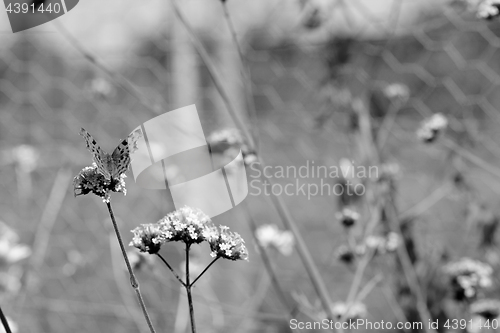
x=347, y=217
x=228, y=142
x=432, y=127
x=486, y=308
x=468, y=276
x=397, y=92
x=100, y=89
x=11, y=251
x=345, y=254
x=26, y=157
x=484, y=9
x=355, y=311
x=11, y=255
x=269, y=235
x=381, y=244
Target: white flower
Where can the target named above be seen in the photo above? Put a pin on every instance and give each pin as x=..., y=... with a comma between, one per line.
x=269, y=235
x=357, y=310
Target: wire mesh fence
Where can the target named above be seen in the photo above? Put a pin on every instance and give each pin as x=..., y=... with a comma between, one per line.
x=447, y=59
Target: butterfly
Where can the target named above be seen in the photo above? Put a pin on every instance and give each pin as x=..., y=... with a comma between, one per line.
x=112, y=166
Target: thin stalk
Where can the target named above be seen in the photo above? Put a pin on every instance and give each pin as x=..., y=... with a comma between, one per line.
x=133, y=280
x=472, y=158
x=245, y=71
x=408, y=269
x=5, y=323
x=171, y=269
x=188, y=291
x=267, y=264
x=356, y=283
x=206, y=268
x=119, y=79
x=311, y=267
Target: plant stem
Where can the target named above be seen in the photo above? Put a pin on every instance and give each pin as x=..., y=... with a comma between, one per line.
x=5, y=323
x=245, y=71
x=206, y=268
x=171, y=269
x=188, y=291
x=133, y=280
x=267, y=264
x=304, y=254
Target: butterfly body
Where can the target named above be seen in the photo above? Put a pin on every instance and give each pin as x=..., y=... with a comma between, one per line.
x=117, y=163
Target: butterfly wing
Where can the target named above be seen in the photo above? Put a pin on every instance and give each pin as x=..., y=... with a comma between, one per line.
x=121, y=155
x=99, y=156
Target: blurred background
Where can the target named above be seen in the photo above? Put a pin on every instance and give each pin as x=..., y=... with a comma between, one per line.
x=310, y=63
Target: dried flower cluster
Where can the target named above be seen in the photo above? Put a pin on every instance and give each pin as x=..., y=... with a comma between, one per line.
x=484, y=9
x=228, y=141
x=190, y=226
x=226, y=244
x=90, y=180
x=397, y=92
x=468, y=276
x=486, y=308
x=432, y=127
x=347, y=217
x=377, y=244
x=100, y=88
x=269, y=235
x=355, y=311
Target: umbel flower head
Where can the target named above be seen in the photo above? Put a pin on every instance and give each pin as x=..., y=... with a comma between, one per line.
x=190, y=226
x=186, y=224
x=432, y=127
x=468, y=276
x=90, y=180
x=226, y=244
x=148, y=238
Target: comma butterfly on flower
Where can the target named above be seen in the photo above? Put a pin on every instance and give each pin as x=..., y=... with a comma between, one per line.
x=112, y=166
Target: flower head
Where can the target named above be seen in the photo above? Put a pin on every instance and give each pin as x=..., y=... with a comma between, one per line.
x=468, y=276
x=100, y=88
x=347, y=217
x=26, y=157
x=269, y=235
x=397, y=91
x=383, y=244
x=11, y=251
x=356, y=311
x=345, y=254
x=228, y=141
x=228, y=245
x=90, y=180
x=186, y=224
x=487, y=308
x=148, y=238
x=432, y=127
